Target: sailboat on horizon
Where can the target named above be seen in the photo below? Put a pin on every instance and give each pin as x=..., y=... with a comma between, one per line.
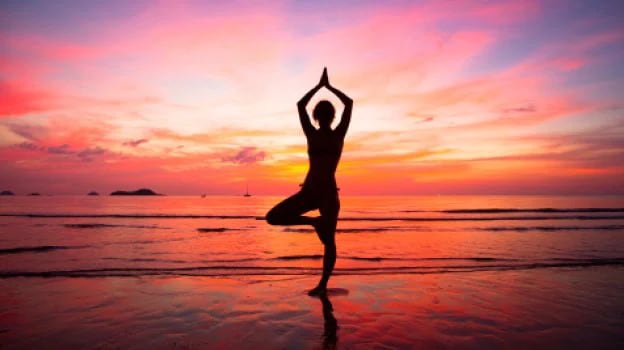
x=247, y=194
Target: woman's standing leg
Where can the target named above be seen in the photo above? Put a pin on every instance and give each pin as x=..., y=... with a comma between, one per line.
x=326, y=230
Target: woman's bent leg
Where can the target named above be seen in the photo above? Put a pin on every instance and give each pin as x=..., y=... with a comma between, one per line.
x=288, y=212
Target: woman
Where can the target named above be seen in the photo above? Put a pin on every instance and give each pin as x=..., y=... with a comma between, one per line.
x=319, y=190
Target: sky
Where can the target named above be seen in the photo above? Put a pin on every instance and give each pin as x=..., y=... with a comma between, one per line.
x=190, y=97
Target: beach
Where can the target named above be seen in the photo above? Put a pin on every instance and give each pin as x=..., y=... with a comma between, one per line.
x=548, y=309
x=412, y=272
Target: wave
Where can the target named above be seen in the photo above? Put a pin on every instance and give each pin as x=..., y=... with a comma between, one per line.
x=552, y=228
x=476, y=259
x=485, y=218
x=459, y=212
x=377, y=258
x=128, y=216
x=363, y=219
x=313, y=257
x=613, y=227
x=38, y=249
x=173, y=261
x=299, y=257
x=515, y=210
x=289, y=270
x=177, y=261
x=532, y=210
x=216, y=229
x=357, y=230
x=97, y=225
x=145, y=241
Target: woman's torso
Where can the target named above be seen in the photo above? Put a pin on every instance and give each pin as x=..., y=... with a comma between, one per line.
x=324, y=151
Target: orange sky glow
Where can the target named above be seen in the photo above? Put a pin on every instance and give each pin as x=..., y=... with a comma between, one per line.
x=466, y=97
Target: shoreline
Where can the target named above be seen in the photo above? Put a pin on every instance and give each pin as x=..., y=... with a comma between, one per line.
x=554, y=308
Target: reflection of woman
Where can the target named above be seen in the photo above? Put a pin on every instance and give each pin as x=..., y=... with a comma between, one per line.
x=330, y=334
x=319, y=190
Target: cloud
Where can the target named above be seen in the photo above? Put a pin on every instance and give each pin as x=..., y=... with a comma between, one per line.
x=135, y=143
x=221, y=135
x=30, y=146
x=520, y=109
x=62, y=149
x=421, y=118
x=246, y=155
x=31, y=132
x=16, y=99
x=88, y=154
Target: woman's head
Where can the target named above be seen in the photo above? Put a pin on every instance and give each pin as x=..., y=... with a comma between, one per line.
x=324, y=113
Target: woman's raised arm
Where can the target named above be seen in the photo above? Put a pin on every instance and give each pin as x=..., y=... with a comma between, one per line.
x=304, y=118
x=346, y=113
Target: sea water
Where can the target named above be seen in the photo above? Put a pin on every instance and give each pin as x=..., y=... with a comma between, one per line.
x=90, y=236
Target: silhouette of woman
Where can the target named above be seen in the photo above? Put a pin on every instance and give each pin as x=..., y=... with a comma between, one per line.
x=319, y=190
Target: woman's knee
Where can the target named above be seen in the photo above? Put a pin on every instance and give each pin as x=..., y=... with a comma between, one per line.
x=328, y=239
x=273, y=217
x=330, y=246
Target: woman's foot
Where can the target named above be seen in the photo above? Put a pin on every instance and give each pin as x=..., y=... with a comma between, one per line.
x=318, y=290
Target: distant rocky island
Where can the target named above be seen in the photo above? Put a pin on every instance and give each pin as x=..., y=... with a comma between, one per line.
x=139, y=192
x=7, y=193
x=93, y=193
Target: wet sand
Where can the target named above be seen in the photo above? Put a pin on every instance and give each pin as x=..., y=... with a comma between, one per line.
x=543, y=308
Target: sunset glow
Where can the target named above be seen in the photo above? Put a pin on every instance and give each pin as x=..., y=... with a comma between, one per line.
x=501, y=97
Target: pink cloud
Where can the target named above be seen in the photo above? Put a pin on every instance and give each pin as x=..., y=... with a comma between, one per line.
x=16, y=98
x=246, y=155
x=569, y=64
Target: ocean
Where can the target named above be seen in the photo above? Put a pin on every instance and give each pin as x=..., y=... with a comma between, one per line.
x=443, y=272
x=91, y=236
